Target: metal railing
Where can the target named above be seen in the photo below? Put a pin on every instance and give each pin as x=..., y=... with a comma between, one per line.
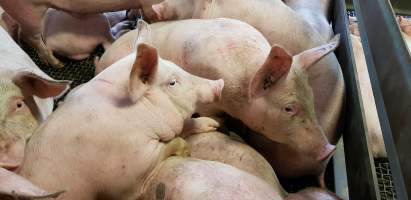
x=389, y=65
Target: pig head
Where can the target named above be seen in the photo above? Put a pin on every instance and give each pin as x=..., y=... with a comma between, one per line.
x=25, y=100
x=281, y=102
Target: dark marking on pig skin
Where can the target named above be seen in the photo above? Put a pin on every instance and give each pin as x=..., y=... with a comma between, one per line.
x=188, y=50
x=161, y=191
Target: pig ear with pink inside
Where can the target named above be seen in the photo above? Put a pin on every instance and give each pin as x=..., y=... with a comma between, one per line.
x=17, y=187
x=143, y=71
x=32, y=84
x=279, y=62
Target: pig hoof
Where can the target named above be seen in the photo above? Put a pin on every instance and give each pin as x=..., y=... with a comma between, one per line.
x=200, y=125
x=176, y=147
x=49, y=58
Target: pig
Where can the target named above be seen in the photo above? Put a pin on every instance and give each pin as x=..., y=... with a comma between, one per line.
x=313, y=194
x=289, y=30
x=16, y=187
x=266, y=87
x=29, y=16
x=353, y=26
x=122, y=124
x=185, y=179
x=8, y=24
x=316, y=13
x=405, y=27
x=216, y=146
x=370, y=109
x=76, y=37
x=25, y=100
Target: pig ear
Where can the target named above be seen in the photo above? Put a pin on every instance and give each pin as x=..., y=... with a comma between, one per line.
x=32, y=84
x=312, y=56
x=16, y=186
x=143, y=33
x=143, y=71
x=276, y=66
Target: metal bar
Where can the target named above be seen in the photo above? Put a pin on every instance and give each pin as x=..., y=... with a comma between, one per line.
x=389, y=65
x=362, y=179
x=340, y=172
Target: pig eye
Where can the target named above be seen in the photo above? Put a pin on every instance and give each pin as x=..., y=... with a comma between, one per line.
x=290, y=109
x=172, y=83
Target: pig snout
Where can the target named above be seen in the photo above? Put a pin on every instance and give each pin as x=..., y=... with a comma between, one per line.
x=211, y=91
x=326, y=153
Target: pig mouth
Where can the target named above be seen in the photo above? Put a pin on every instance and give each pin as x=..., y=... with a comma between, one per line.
x=10, y=167
x=328, y=153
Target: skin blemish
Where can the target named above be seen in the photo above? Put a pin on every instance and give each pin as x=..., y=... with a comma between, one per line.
x=160, y=191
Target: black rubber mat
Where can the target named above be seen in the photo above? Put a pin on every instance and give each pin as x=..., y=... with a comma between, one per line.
x=78, y=72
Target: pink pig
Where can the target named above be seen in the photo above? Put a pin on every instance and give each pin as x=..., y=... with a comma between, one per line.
x=76, y=36
x=130, y=117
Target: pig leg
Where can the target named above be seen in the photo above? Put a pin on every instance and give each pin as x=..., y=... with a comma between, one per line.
x=15, y=186
x=199, y=125
x=176, y=147
x=30, y=32
x=321, y=181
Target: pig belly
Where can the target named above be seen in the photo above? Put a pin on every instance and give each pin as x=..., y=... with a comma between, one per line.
x=188, y=179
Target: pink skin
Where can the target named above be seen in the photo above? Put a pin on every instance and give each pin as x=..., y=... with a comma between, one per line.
x=9, y=24
x=130, y=117
x=216, y=146
x=13, y=185
x=25, y=100
x=316, y=13
x=185, y=179
x=405, y=25
x=29, y=16
x=243, y=58
x=295, y=34
x=76, y=37
x=371, y=115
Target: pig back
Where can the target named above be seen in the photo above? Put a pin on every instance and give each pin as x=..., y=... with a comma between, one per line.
x=216, y=146
x=185, y=179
